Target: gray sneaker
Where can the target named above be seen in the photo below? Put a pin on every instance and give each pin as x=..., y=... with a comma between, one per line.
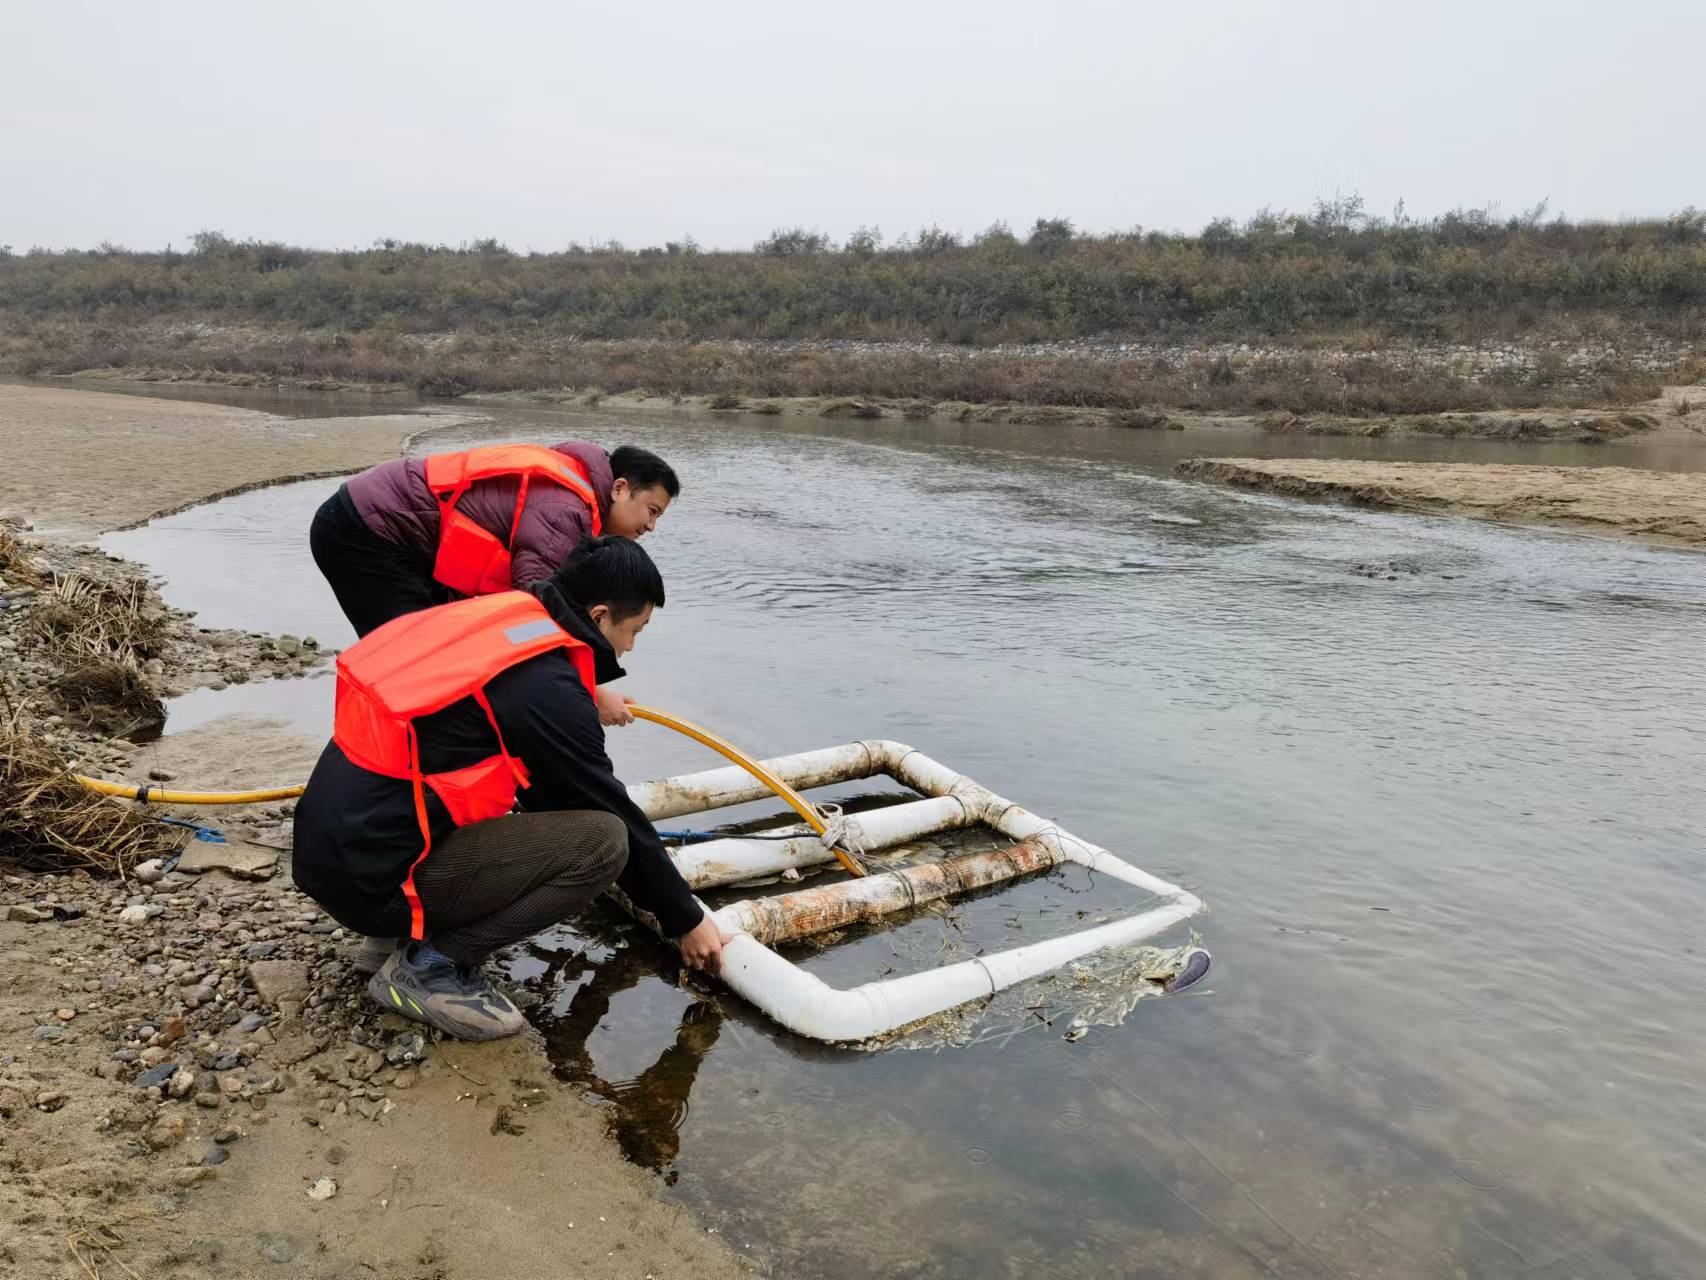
x=455, y=999
x=371, y=956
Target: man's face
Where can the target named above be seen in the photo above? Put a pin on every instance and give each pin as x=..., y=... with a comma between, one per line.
x=623, y=634
x=635, y=512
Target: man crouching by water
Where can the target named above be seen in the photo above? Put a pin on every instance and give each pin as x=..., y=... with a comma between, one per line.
x=447, y=720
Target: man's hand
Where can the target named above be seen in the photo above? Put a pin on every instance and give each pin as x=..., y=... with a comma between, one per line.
x=702, y=945
x=612, y=708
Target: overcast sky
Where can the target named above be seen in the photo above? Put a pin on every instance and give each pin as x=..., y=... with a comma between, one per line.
x=542, y=123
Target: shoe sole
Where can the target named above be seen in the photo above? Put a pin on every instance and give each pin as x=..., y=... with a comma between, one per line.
x=397, y=999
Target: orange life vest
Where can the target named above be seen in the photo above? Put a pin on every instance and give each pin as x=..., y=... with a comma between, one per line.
x=470, y=559
x=422, y=662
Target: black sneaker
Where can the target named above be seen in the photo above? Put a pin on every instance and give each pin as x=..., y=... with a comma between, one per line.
x=454, y=998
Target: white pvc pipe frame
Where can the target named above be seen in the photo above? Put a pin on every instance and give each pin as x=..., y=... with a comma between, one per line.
x=809, y=1006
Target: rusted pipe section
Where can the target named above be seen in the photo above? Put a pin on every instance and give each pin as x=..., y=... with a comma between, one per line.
x=791, y=916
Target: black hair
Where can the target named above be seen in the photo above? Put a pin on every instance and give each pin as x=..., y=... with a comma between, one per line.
x=611, y=571
x=642, y=469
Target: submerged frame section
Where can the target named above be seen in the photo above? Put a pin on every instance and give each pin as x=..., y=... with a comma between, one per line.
x=811, y=1007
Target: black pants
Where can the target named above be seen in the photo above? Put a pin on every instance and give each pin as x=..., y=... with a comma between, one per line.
x=374, y=580
x=504, y=880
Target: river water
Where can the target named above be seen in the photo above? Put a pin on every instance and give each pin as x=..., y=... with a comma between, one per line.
x=1438, y=781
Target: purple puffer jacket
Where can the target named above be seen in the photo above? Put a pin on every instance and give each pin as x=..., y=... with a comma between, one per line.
x=395, y=503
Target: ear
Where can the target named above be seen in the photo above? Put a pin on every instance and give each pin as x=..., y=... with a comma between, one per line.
x=598, y=613
x=620, y=488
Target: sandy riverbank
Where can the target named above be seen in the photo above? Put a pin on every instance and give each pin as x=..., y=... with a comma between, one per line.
x=450, y=1161
x=1666, y=507
x=79, y=461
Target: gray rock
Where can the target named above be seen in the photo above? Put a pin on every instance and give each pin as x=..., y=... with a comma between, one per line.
x=25, y=913
x=154, y=1077
x=226, y=1061
x=216, y=1156
x=246, y=862
x=251, y=1022
x=276, y=1250
x=405, y=1049
x=261, y=950
x=181, y=1083
x=50, y=1033
x=278, y=981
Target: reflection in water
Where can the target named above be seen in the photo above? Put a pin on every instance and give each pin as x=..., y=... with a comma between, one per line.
x=650, y=1107
x=1438, y=782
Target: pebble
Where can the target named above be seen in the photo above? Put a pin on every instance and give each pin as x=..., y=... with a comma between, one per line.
x=49, y=1031
x=215, y=1156
x=24, y=913
x=149, y=872
x=52, y=1100
x=154, y=1077
x=65, y=1015
x=323, y=1189
x=182, y=1081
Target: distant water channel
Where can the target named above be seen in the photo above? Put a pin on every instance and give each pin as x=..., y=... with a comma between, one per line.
x=1439, y=782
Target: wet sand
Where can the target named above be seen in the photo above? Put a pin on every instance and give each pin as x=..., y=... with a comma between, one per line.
x=1664, y=507
x=76, y=461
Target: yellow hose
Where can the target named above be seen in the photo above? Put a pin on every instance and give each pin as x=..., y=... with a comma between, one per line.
x=159, y=795
x=798, y=803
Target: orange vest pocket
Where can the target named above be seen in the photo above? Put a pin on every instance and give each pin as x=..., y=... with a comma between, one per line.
x=481, y=791
x=469, y=560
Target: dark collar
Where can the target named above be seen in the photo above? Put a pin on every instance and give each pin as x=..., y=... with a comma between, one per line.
x=571, y=617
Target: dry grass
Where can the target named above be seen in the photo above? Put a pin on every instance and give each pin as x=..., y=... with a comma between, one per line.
x=88, y=618
x=471, y=361
x=15, y=563
x=51, y=822
x=111, y=697
x=99, y=633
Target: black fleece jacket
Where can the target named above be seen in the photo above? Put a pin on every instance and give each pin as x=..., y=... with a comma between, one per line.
x=356, y=831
